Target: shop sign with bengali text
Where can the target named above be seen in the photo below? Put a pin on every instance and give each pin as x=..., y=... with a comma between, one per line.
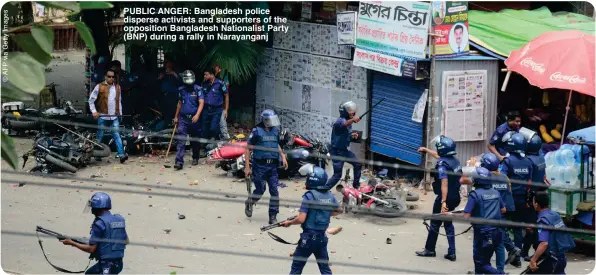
x=398, y=29
x=450, y=25
x=385, y=63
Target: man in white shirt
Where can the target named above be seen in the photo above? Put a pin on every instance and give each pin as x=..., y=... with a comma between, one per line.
x=106, y=105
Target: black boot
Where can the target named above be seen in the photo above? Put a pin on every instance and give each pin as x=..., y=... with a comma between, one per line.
x=272, y=218
x=123, y=159
x=178, y=167
x=450, y=257
x=513, y=256
x=195, y=162
x=426, y=253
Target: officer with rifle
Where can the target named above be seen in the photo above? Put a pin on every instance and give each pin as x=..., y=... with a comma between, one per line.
x=318, y=205
x=108, y=237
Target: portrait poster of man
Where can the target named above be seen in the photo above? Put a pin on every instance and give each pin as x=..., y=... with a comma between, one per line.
x=450, y=23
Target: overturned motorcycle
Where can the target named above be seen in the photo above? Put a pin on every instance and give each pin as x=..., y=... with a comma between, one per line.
x=69, y=153
x=375, y=196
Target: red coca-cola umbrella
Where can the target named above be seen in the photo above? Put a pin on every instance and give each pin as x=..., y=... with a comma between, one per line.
x=561, y=59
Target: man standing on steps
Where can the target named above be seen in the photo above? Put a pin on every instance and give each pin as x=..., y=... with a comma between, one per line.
x=105, y=104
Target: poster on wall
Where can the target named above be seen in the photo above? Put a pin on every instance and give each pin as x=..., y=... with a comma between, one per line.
x=418, y=113
x=346, y=28
x=394, y=28
x=450, y=24
x=463, y=97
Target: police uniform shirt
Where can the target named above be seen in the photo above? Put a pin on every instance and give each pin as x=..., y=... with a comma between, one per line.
x=98, y=230
x=473, y=205
x=215, y=92
x=443, y=168
x=504, y=169
x=305, y=205
x=497, y=138
x=341, y=134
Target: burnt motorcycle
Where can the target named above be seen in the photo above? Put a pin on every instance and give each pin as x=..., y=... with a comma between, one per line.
x=375, y=196
x=69, y=153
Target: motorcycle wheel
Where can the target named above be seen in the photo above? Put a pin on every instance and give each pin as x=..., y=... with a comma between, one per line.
x=395, y=209
x=22, y=125
x=60, y=163
x=411, y=196
x=104, y=152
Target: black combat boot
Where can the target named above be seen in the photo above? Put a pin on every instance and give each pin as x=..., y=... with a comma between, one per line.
x=272, y=218
x=450, y=257
x=178, y=167
x=123, y=158
x=426, y=253
x=195, y=162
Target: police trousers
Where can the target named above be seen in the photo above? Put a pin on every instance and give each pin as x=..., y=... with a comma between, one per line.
x=262, y=173
x=338, y=167
x=106, y=267
x=311, y=244
x=211, y=119
x=521, y=214
x=433, y=232
x=186, y=127
x=483, y=248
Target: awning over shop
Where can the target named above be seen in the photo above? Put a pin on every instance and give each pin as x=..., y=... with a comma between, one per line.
x=508, y=30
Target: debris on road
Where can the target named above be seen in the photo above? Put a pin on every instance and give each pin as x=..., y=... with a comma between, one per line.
x=389, y=241
x=181, y=217
x=176, y=266
x=333, y=231
x=167, y=230
x=230, y=196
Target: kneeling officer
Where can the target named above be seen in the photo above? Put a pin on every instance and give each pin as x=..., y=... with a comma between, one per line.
x=318, y=205
x=106, y=226
x=190, y=106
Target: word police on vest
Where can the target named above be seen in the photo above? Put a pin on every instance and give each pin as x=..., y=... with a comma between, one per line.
x=521, y=170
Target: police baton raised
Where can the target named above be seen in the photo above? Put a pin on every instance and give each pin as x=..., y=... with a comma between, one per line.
x=368, y=111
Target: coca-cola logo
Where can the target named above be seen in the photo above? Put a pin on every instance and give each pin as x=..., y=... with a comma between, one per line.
x=573, y=79
x=537, y=67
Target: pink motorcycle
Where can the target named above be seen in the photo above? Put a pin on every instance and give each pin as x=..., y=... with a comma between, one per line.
x=374, y=196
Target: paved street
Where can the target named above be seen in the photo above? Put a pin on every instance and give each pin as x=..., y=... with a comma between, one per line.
x=209, y=224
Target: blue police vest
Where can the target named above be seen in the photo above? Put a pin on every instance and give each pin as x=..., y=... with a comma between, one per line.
x=115, y=230
x=340, y=136
x=266, y=139
x=518, y=168
x=558, y=242
x=190, y=100
x=538, y=171
x=319, y=216
x=215, y=93
x=501, y=184
x=488, y=202
x=452, y=165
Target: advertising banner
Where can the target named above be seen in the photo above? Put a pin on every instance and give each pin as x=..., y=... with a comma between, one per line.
x=450, y=23
x=398, y=29
x=346, y=28
x=385, y=63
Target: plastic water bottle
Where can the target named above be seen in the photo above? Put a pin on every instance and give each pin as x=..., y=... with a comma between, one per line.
x=565, y=146
x=554, y=176
x=549, y=158
x=565, y=157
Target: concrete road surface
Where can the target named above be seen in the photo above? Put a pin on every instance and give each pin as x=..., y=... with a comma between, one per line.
x=217, y=225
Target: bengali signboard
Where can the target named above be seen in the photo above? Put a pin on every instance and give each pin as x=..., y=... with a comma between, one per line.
x=450, y=24
x=346, y=28
x=385, y=63
x=398, y=29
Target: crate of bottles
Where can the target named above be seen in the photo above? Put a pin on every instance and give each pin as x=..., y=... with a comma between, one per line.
x=564, y=200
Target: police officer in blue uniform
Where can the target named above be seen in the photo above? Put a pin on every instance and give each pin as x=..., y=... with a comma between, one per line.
x=552, y=244
x=519, y=169
x=484, y=202
x=188, y=112
x=318, y=205
x=533, y=149
x=340, y=143
x=446, y=187
x=216, y=102
x=496, y=144
x=106, y=226
x=500, y=182
x=265, y=163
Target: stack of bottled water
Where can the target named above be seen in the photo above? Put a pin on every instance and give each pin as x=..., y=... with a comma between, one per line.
x=563, y=167
x=563, y=171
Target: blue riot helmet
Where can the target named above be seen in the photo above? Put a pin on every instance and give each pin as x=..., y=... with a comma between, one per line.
x=188, y=77
x=347, y=108
x=481, y=177
x=515, y=142
x=534, y=145
x=316, y=178
x=269, y=119
x=99, y=200
x=489, y=161
x=445, y=145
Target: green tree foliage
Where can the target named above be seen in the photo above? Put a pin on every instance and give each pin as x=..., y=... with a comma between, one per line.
x=26, y=70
